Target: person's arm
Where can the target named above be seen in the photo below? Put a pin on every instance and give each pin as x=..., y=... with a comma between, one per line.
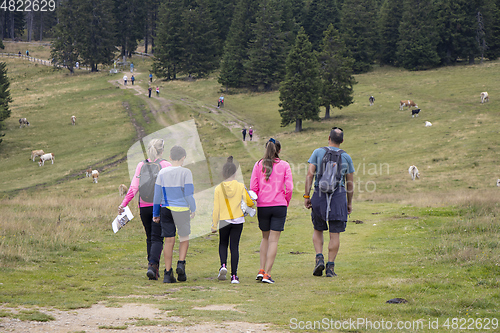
x=133, y=189
x=350, y=190
x=288, y=184
x=156, y=203
x=215, y=212
x=254, y=179
x=189, y=192
x=309, y=181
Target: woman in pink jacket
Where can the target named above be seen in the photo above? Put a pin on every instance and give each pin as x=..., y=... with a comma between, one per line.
x=155, y=151
x=273, y=183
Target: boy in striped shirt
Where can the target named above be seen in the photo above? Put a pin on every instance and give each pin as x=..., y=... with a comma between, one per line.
x=174, y=207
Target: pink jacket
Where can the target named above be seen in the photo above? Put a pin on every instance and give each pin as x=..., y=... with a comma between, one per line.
x=277, y=191
x=134, y=186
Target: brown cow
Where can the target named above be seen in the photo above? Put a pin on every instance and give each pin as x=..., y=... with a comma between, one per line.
x=407, y=103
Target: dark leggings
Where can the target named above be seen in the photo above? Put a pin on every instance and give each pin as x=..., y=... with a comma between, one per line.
x=154, y=240
x=229, y=234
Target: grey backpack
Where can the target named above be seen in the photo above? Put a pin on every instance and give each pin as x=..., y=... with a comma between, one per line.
x=330, y=173
x=147, y=179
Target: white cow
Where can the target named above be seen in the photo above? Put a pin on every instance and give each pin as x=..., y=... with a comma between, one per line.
x=46, y=157
x=73, y=120
x=36, y=153
x=484, y=97
x=413, y=171
x=428, y=124
x=95, y=176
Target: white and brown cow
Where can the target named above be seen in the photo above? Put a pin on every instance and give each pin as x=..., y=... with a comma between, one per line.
x=46, y=157
x=23, y=121
x=95, y=176
x=408, y=103
x=484, y=97
x=36, y=153
x=73, y=120
x=413, y=171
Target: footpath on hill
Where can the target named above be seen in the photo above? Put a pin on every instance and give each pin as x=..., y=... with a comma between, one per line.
x=124, y=318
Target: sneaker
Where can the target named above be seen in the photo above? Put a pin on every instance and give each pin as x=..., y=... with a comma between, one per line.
x=329, y=269
x=153, y=272
x=222, y=272
x=169, y=276
x=181, y=271
x=260, y=275
x=267, y=278
x=320, y=265
x=234, y=279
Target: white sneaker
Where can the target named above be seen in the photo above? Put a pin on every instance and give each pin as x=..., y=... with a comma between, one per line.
x=222, y=272
x=234, y=279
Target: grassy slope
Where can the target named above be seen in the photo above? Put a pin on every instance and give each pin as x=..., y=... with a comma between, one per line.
x=57, y=248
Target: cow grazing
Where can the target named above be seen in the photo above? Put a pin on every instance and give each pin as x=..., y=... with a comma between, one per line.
x=413, y=171
x=23, y=121
x=46, y=157
x=95, y=176
x=428, y=124
x=122, y=189
x=73, y=120
x=414, y=113
x=88, y=172
x=36, y=153
x=407, y=103
x=484, y=97
x=371, y=100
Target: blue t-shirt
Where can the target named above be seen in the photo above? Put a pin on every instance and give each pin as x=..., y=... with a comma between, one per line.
x=317, y=157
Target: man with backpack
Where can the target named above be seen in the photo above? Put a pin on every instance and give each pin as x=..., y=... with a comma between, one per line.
x=331, y=201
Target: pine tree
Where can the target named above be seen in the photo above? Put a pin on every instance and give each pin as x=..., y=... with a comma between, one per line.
x=299, y=91
x=264, y=67
x=335, y=71
x=388, y=31
x=320, y=14
x=5, y=98
x=236, y=46
x=491, y=16
x=168, y=50
x=130, y=16
x=417, y=48
x=199, y=42
x=357, y=27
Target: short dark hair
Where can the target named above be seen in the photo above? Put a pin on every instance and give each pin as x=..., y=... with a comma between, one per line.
x=337, y=135
x=177, y=153
x=229, y=168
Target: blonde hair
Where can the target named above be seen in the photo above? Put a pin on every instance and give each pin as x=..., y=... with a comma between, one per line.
x=155, y=149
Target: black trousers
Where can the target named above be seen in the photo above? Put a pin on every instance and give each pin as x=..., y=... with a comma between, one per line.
x=229, y=235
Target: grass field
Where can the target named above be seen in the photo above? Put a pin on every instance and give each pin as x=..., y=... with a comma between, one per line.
x=433, y=241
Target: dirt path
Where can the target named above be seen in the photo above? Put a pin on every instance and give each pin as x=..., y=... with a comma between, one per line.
x=124, y=319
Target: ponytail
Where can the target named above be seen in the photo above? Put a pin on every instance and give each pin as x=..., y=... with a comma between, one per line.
x=272, y=150
x=155, y=149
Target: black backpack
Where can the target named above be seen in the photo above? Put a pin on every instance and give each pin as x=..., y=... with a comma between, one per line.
x=147, y=179
x=330, y=172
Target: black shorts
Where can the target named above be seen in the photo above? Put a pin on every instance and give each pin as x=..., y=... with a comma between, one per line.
x=334, y=226
x=272, y=218
x=170, y=220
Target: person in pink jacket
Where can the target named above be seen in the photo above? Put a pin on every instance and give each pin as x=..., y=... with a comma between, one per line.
x=273, y=183
x=155, y=151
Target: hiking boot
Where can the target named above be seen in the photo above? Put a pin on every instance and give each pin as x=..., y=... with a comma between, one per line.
x=320, y=265
x=234, y=279
x=222, y=272
x=169, y=276
x=267, y=278
x=153, y=271
x=260, y=275
x=181, y=270
x=329, y=269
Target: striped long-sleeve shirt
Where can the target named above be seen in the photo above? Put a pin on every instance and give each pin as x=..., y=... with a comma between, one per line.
x=174, y=189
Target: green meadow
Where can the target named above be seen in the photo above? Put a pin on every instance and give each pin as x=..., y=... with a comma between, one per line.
x=434, y=241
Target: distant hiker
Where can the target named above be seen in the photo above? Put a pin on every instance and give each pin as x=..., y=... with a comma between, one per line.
x=329, y=204
x=144, y=182
x=19, y=53
x=250, y=132
x=157, y=91
x=220, y=102
x=149, y=91
x=131, y=68
x=150, y=77
x=27, y=53
x=77, y=65
x=125, y=80
x=228, y=218
x=174, y=207
x=132, y=79
x=272, y=181
x=244, y=132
